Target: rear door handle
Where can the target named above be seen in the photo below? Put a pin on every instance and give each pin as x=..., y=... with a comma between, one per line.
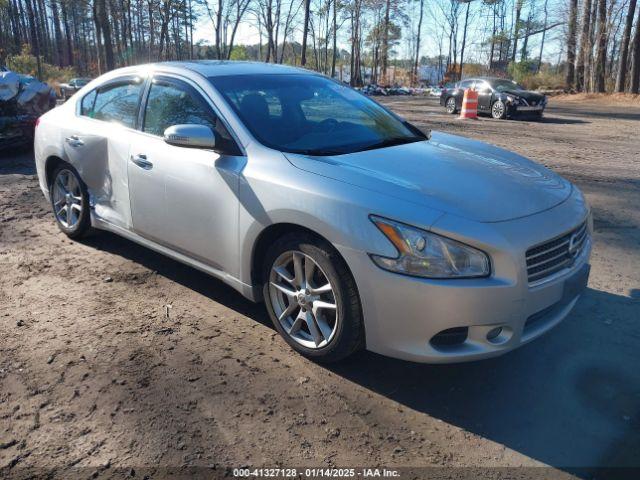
x=74, y=141
x=141, y=161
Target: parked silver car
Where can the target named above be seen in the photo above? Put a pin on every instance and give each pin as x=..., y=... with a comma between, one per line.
x=354, y=227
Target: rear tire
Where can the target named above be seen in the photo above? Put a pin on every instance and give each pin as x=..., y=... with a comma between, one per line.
x=70, y=201
x=312, y=298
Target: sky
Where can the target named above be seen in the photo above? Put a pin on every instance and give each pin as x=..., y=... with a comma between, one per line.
x=248, y=33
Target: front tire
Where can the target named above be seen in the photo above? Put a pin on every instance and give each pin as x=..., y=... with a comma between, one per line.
x=450, y=106
x=499, y=110
x=70, y=201
x=312, y=298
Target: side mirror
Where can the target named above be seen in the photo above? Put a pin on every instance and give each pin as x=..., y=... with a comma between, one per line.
x=190, y=135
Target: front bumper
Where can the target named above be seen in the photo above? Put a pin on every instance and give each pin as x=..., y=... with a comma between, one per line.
x=403, y=314
x=538, y=108
x=519, y=109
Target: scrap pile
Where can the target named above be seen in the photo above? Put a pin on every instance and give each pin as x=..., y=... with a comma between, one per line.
x=22, y=100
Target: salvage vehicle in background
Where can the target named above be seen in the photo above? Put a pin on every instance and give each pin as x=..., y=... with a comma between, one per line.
x=497, y=97
x=355, y=228
x=22, y=100
x=16, y=130
x=72, y=86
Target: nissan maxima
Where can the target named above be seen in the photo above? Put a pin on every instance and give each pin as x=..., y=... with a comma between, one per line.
x=497, y=97
x=355, y=228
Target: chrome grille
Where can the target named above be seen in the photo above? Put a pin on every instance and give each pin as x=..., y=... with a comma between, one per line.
x=547, y=258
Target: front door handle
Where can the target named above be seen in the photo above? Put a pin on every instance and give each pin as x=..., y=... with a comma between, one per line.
x=74, y=141
x=141, y=161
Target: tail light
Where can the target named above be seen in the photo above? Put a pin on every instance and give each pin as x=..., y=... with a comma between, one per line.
x=37, y=122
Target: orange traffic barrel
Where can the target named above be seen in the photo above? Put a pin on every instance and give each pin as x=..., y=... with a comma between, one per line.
x=469, y=104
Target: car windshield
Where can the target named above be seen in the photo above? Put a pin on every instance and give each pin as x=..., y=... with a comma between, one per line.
x=312, y=115
x=504, y=85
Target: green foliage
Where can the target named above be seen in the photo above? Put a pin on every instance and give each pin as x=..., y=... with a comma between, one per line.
x=526, y=74
x=239, y=52
x=520, y=70
x=27, y=64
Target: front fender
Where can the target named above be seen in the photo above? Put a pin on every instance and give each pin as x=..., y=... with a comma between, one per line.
x=336, y=211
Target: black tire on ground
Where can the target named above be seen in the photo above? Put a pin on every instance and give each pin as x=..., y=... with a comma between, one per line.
x=83, y=226
x=499, y=110
x=349, y=334
x=450, y=106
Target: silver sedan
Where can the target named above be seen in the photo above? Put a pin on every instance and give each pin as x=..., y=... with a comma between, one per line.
x=354, y=227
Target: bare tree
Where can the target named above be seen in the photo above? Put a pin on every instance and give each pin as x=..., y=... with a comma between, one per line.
x=601, y=51
x=585, y=47
x=624, y=50
x=416, y=62
x=571, y=43
x=464, y=35
x=635, y=62
x=305, y=31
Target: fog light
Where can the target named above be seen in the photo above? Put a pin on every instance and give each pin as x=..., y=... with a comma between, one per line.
x=494, y=333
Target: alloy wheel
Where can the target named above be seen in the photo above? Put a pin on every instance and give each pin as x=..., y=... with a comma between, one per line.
x=67, y=199
x=303, y=300
x=498, y=109
x=451, y=105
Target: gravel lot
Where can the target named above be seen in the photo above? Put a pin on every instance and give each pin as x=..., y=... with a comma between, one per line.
x=114, y=358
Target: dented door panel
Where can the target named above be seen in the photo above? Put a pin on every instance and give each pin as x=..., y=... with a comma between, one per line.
x=99, y=151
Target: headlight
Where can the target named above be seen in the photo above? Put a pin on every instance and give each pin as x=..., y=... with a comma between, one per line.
x=511, y=99
x=425, y=254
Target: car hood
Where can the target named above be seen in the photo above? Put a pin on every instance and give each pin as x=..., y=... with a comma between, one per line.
x=451, y=174
x=527, y=95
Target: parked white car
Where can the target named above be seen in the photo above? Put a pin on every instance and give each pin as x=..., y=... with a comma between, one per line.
x=354, y=227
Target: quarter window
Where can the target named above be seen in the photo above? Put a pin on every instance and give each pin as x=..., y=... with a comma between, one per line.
x=117, y=103
x=86, y=106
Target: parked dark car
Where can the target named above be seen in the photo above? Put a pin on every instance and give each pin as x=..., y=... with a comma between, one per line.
x=374, y=90
x=497, y=97
x=75, y=84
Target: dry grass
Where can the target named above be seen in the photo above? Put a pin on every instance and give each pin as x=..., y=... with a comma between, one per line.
x=618, y=99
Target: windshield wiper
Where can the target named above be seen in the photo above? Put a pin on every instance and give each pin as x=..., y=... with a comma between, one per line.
x=318, y=152
x=391, y=142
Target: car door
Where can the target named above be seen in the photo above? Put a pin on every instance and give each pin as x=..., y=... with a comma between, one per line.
x=185, y=198
x=96, y=143
x=485, y=93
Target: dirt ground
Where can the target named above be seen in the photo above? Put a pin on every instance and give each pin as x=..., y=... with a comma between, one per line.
x=116, y=361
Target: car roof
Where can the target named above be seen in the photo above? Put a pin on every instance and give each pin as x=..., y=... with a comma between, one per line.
x=206, y=68
x=488, y=79
x=212, y=68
